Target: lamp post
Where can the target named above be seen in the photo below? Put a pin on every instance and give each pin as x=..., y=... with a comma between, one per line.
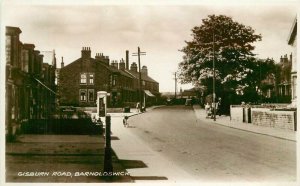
x=175, y=87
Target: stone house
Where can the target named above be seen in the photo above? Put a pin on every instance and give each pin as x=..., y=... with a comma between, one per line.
x=292, y=40
x=80, y=81
x=30, y=83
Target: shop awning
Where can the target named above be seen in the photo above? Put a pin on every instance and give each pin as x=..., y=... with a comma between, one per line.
x=148, y=93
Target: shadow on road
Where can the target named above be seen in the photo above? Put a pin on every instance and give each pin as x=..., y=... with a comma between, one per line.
x=149, y=178
x=132, y=164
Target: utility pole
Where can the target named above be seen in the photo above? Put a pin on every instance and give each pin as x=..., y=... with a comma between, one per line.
x=175, y=86
x=139, y=53
x=214, y=78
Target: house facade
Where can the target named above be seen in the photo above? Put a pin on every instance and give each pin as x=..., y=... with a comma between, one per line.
x=284, y=90
x=149, y=91
x=292, y=40
x=30, y=83
x=80, y=81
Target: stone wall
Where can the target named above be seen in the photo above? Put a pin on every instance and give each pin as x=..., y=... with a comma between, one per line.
x=264, y=117
x=275, y=119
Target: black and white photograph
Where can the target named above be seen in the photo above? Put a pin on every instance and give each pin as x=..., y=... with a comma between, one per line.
x=149, y=92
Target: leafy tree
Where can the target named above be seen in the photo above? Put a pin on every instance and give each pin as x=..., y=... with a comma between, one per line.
x=230, y=45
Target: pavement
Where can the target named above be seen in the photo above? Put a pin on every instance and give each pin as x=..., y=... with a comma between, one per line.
x=145, y=164
x=225, y=121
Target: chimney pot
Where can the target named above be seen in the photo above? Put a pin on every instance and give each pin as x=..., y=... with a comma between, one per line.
x=85, y=53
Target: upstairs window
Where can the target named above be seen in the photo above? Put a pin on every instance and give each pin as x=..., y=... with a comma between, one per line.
x=113, y=80
x=83, y=78
x=91, y=79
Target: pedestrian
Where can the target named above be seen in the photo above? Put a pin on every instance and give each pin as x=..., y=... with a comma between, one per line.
x=138, y=107
x=125, y=123
x=208, y=110
x=219, y=106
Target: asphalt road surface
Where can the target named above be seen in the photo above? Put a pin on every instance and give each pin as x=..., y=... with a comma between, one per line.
x=212, y=152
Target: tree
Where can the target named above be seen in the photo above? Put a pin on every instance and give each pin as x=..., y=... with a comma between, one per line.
x=231, y=44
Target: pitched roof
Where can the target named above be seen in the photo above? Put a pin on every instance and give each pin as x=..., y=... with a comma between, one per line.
x=293, y=33
x=143, y=76
x=110, y=68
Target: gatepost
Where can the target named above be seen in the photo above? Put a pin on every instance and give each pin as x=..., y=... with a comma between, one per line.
x=108, y=168
x=102, y=113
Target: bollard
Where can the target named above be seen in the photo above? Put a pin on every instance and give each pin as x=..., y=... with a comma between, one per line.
x=249, y=115
x=108, y=168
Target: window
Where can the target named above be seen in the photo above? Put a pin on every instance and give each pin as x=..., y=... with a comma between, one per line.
x=8, y=49
x=83, y=78
x=91, y=95
x=113, y=80
x=82, y=95
x=294, y=87
x=91, y=79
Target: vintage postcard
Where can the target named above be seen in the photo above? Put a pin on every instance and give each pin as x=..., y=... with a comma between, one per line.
x=156, y=92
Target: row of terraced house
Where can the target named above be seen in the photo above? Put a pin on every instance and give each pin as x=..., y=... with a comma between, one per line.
x=30, y=83
x=35, y=89
x=80, y=80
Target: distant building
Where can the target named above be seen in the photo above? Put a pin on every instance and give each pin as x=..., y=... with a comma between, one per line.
x=284, y=90
x=30, y=83
x=149, y=87
x=80, y=81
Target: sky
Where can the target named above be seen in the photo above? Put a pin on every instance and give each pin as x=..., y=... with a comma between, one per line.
x=160, y=30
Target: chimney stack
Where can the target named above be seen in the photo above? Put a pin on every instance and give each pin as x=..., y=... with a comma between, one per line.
x=133, y=67
x=62, y=65
x=86, y=53
x=285, y=59
x=144, y=70
x=115, y=64
x=127, y=60
x=122, y=64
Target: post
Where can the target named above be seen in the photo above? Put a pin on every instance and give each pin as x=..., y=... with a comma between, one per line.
x=107, y=154
x=140, y=79
x=214, y=79
x=175, y=86
x=140, y=76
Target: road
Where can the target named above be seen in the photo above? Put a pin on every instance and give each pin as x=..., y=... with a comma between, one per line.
x=210, y=152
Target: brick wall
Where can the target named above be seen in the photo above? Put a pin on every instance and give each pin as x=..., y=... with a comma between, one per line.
x=275, y=119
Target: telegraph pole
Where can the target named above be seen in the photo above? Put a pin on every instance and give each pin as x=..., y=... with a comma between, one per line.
x=214, y=78
x=139, y=53
x=175, y=86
